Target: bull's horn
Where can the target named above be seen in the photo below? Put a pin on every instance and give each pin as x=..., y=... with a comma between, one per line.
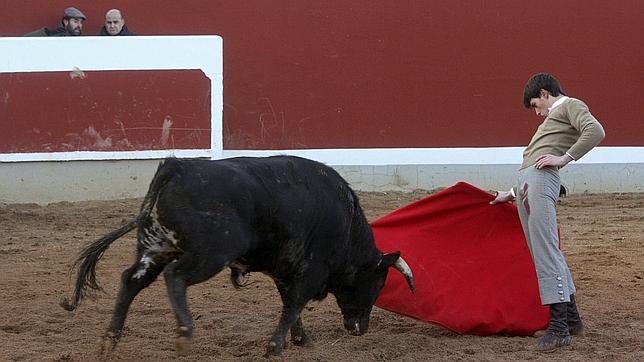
x=405, y=270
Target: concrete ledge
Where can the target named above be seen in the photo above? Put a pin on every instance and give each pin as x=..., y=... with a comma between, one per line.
x=577, y=178
x=46, y=182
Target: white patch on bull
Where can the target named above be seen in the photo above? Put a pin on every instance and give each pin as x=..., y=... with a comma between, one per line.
x=159, y=242
x=146, y=261
x=158, y=238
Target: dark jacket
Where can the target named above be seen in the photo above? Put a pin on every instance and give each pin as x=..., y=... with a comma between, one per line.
x=60, y=31
x=125, y=31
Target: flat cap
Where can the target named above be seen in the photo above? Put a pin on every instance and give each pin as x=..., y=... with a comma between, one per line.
x=72, y=12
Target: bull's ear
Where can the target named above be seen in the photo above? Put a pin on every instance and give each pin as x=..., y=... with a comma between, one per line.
x=388, y=260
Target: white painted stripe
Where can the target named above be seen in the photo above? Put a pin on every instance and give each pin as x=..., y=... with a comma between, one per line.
x=397, y=156
x=439, y=156
x=96, y=155
x=352, y=156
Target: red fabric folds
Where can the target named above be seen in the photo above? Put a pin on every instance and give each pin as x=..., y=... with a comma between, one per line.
x=472, y=268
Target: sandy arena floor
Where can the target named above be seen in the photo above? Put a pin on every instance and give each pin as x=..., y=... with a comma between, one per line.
x=603, y=238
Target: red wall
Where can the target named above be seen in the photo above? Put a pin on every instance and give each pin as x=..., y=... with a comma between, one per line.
x=368, y=73
x=104, y=111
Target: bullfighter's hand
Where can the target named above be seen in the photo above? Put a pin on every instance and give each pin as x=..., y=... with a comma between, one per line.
x=551, y=160
x=501, y=197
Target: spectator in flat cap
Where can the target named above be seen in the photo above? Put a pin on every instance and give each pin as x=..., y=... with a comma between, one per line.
x=115, y=24
x=71, y=25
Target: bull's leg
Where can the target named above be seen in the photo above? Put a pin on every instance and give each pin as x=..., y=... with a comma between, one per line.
x=176, y=284
x=178, y=276
x=288, y=317
x=298, y=335
x=133, y=280
x=293, y=304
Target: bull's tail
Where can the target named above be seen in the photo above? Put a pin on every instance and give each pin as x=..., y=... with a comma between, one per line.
x=89, y=257
x=86, y=264
x=167, y=169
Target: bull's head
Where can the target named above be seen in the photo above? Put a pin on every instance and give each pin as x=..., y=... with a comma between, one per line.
x=357, y=298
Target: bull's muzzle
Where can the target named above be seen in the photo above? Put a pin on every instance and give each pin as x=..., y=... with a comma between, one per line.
x=356, y=326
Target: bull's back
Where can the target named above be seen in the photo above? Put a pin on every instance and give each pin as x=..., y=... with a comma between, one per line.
x=286, y=179
x=292, y=194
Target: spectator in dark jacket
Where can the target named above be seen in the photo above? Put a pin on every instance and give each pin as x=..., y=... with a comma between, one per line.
x=71, y=25
x=115, y=24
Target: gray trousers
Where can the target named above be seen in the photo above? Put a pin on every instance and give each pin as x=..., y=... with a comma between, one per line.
x=538, y=191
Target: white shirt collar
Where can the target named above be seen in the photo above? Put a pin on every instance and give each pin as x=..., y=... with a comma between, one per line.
x=557, y=103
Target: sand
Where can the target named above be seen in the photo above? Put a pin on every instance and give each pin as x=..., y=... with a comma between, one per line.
x=603, y=239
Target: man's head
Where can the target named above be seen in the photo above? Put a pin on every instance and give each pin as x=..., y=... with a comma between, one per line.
x=540, y=93
x=73, y=20
x=114, y=21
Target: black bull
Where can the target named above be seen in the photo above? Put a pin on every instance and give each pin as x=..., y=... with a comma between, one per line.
x=294, y=219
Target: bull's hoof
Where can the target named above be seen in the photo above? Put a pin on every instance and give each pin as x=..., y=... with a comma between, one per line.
x=67, y=305
x=183, y=341
x=182, y=345
x=302, y=341
x=273, y=351
x=107, y=344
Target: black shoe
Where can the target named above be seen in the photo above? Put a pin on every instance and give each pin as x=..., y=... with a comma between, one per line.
x=552, y=340
x=557, y=334
x=575, y=325
x=576, y=329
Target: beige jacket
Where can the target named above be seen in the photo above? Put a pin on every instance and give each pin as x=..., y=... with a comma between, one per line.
x=569, y=127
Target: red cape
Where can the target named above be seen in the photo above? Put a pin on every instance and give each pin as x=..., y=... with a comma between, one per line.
x=472, y=267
